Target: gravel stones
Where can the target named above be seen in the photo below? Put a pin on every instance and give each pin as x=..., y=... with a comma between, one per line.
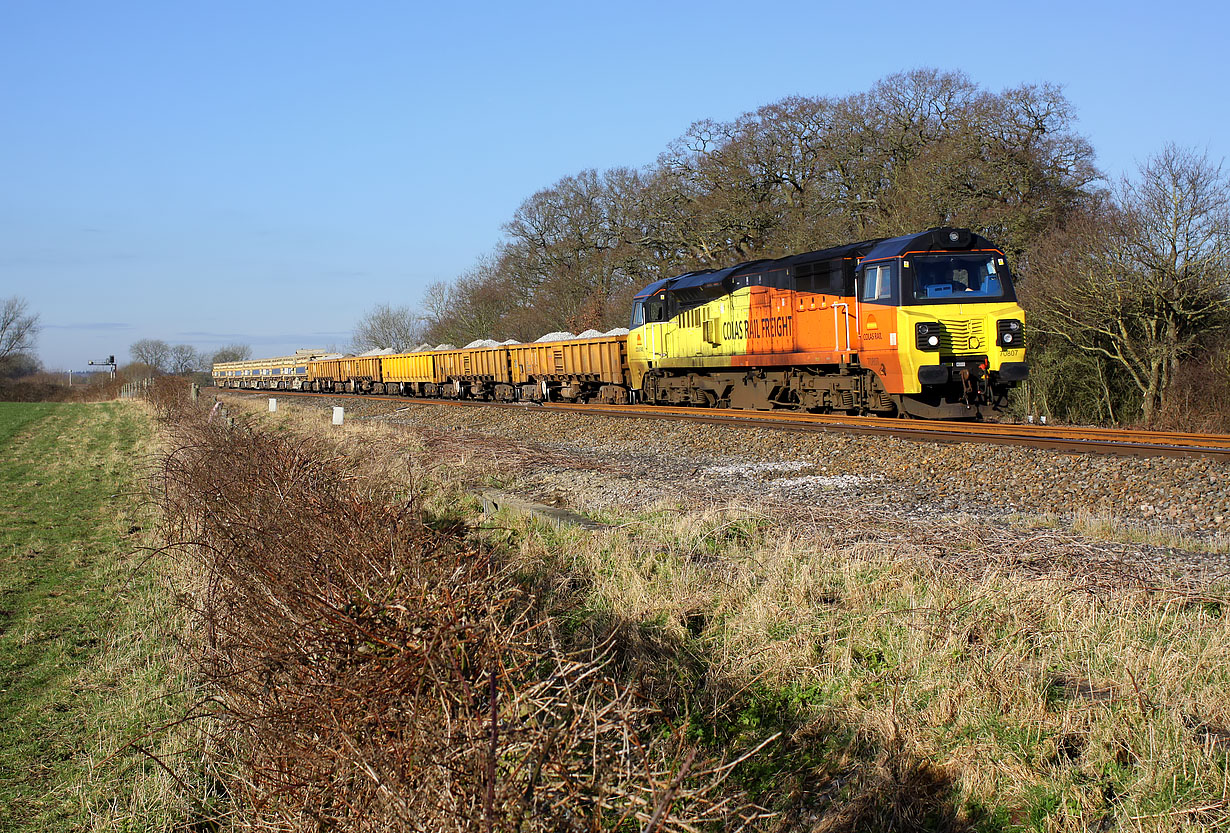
x=593, y=462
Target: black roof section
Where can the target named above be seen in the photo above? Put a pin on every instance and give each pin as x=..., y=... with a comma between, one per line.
x=937, y=239
x=706, y=277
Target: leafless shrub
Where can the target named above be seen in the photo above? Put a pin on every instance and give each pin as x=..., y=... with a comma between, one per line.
x=18, y=328
x=374, y=673
x=1199, y=399
x=24, y=390
x=45, y=388
x=169, y=396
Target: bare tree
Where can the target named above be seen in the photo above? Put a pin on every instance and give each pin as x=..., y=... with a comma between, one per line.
x=1143, y=281
x=18, y=327
x=385, y=326
x=577, y=247
x=231, y=353
x=16, y=365
x=153, y=352
x=184, y=359
x=502, y=296
x=919, y=149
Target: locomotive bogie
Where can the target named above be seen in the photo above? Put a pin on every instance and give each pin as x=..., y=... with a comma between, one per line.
x=764, y=389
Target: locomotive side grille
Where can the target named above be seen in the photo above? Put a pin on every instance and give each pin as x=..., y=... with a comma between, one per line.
x=961, y=336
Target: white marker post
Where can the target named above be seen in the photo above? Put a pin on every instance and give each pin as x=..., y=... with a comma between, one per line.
x=338, y=415
x=273, y=405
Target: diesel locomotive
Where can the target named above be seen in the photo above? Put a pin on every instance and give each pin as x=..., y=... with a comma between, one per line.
x=923, y=325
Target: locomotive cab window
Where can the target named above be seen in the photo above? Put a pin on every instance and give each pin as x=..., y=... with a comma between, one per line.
x=878, y=284
x=638, y=314
x=655, y=310
x=959, y=278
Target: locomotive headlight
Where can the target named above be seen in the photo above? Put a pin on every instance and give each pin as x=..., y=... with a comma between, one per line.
x=927, y=335
x=1010, y=333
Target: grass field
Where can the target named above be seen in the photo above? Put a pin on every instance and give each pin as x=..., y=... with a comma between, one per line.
x=84, y=667
x=931, y=680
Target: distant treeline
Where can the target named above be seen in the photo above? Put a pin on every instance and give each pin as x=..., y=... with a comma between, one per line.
x=1124, y=284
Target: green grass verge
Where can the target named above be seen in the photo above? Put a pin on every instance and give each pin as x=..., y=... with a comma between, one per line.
x=84, y=667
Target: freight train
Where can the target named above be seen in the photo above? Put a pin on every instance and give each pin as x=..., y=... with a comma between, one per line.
x=923, y=325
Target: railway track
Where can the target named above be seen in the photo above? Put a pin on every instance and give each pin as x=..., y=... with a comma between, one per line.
x=1057, y=438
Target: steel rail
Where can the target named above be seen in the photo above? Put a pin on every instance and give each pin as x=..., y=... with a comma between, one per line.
x=992, y=429
x=1058, y=438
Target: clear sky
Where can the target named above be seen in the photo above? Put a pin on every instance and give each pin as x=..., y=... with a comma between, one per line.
x=265, y=172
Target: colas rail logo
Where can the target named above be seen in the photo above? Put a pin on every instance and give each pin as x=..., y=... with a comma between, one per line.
x=772, y=326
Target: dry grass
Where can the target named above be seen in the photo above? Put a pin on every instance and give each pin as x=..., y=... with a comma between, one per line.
x=372, y=666
x=1105, y=526
x=1053, y=696
x=936, y=676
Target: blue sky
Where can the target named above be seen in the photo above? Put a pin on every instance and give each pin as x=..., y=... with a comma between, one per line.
x=265, y=172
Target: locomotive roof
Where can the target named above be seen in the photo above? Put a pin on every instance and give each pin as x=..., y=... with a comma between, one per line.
x=705, y=277
x=653, y=287
x=701, y=278
x=936, y=239
x=836, y=252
